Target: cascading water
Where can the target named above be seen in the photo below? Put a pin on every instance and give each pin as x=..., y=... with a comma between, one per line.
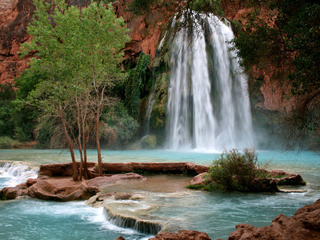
x=14, y=173
x=208, y=100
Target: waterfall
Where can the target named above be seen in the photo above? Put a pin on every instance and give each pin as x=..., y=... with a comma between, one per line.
x=208, y=100
x=144, y=225
x=15, y=173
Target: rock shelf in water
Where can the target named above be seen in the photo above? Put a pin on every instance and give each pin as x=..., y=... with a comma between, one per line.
x=53, y=182
x=63, y=188
x=303, y=225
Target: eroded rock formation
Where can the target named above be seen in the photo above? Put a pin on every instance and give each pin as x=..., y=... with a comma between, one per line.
x=305, y=224
x=145, y=33
x=15, y=15
x=62, y=188
x=268, y=183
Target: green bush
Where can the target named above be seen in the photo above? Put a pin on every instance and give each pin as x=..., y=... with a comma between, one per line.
x=234, y=170
x=7, y=142
x=135, y=84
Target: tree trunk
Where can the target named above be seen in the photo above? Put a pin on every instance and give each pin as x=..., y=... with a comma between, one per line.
x=69, y=142
x=98, y=141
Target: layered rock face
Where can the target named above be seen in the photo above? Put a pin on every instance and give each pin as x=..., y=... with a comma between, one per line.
x=145, y=33
x=14, y=18
x=15, y=15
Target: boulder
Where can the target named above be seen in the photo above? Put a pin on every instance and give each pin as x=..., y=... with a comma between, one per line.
x=292, y=179
x=9, y=193
x=120, y=238
x=263, y=185
x=45, y=190
x=198, y=180
x=182, y=234
x=305, y=224
x=196, y=169
x=149, y=141
x=283, y=178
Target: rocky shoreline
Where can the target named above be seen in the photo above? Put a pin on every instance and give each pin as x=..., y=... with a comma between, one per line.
x=54, y=183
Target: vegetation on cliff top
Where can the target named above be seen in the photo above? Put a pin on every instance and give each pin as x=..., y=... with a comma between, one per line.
x=282, y=38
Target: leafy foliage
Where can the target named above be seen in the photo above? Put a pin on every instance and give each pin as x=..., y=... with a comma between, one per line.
x=288, y=39
x=282, y=38
x=7, y=142
x=134, y=84
x=6, y=122
x=78, y=54
x=233, y=170
x=120, y=126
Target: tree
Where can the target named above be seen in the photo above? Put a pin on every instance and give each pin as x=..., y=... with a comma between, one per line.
x=80, y=49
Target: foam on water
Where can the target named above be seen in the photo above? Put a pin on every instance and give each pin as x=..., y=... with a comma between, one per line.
x=215, y=213
x=14, y=173
x=51, y=220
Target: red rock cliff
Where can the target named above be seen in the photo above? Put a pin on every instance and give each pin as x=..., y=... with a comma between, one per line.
x=145, y=33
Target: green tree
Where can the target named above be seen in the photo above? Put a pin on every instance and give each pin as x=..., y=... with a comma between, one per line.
x=80, y=52
x=6, y=97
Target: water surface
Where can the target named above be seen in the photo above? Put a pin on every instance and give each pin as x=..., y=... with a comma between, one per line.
x=213, y=212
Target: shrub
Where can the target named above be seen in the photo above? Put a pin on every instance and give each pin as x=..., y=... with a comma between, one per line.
x=7, y=142
x=234, y=170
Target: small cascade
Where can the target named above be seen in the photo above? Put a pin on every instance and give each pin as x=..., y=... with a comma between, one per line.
x=149, y=111
x=138, y=222
x=15, y=173
x=208, y=101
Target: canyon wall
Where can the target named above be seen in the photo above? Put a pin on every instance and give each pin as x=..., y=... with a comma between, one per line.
x=145, y=33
